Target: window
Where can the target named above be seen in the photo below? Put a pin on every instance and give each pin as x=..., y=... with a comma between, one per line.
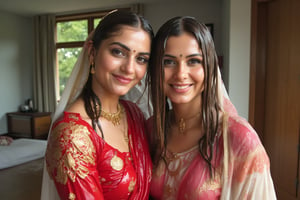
x=71, y=33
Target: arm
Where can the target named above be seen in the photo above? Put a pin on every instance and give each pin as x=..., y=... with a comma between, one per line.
x=248, y=166
x=71, y=162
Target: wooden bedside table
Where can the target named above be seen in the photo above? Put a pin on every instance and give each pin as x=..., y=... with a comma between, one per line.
x=28, y=124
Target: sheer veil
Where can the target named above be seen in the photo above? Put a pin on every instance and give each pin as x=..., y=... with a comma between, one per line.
x=74, y=86
x=72, y=90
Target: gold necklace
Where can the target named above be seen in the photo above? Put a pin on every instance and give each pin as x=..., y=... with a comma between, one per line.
x=182, y=123
x=114, y=118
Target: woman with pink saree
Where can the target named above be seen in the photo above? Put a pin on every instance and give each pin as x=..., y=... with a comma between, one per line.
x=201, y=148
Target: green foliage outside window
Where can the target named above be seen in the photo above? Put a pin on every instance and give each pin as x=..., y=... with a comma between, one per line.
x=69, y=32
x=67, y=58
x=72, y=31
x=96, y=22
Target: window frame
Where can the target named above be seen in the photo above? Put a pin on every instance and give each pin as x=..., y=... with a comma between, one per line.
x=90, y=17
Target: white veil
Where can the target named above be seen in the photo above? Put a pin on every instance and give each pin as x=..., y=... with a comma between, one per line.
x=72, y=90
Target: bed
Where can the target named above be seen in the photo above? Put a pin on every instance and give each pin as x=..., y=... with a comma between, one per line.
x=21, y=169
x=20, y=151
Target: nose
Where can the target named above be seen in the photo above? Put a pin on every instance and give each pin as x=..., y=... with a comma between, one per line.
x=182, y=70
x=128, y=65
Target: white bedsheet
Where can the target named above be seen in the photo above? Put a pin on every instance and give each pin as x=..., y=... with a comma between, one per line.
x=21, y=151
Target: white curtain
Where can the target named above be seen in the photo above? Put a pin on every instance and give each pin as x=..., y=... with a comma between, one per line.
x=45, y=64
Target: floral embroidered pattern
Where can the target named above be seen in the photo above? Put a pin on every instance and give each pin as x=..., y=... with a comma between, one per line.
x=70, y=152
x=211, y=184
x=131, y=185
x=72, y=196
x=116, y=163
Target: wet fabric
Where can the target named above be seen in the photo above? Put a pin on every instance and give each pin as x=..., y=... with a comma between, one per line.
x=84, y=166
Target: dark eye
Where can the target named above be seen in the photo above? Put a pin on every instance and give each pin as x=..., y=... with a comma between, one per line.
x=118, y=52
x=194, y=61
x=142, y=60
x=169, y=63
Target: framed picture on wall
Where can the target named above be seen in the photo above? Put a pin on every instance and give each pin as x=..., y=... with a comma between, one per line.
x=211, y=29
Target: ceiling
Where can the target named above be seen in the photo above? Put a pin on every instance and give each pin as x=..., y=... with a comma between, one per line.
x=37, y=7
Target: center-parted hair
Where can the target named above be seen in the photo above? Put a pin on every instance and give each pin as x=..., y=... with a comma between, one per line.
x=155, y=77
x=107, y=27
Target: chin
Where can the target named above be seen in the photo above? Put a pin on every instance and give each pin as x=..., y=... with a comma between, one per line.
x=180, y=101
x=122, y=92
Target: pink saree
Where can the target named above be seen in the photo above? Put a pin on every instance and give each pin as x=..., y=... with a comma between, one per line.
x=242, y=169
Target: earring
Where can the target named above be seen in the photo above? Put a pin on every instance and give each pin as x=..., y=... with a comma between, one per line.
x=140, y=83
x=92, y=68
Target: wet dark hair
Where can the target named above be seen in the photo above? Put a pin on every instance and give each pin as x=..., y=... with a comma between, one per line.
x=107, y=27
x=155, y=77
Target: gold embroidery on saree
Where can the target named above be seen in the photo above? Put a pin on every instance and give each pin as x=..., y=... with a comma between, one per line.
x=131, y=186
x=116, y=163
x=72, y=196
x=211, y=184
x=70, y=152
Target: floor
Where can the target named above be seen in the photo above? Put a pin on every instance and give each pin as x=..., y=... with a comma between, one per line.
x=22, y=181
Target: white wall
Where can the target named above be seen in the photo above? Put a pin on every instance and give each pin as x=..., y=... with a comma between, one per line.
x=239, y=54
x=16, y=55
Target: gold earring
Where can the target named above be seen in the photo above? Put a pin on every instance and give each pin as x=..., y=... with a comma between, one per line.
x=92, y=68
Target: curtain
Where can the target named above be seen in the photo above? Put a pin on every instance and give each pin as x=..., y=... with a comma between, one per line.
x=44, y=94
x=137, y=8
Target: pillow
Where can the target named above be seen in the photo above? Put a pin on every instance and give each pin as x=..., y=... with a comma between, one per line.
x=5, y=140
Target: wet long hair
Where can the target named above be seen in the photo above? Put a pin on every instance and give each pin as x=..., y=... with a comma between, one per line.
x=107, y=27
x=155, y=77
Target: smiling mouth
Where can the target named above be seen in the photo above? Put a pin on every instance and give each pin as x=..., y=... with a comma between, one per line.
x=181, y=87
x=123, y=79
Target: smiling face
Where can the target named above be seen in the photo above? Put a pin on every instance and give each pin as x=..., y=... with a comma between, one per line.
x=120, y=62
x=183, y=67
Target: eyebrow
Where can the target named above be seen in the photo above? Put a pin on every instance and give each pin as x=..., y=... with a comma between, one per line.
x=192, y=55
x=127, y=48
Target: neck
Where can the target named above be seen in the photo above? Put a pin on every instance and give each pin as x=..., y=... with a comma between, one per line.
x=186, y=111
x=109, y=103
x=186, y=117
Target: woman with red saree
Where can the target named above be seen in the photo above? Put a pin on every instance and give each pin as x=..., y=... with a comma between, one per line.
x=201, y=148
x=97, y=147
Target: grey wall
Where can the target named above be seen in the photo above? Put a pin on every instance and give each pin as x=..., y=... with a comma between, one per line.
x=206, y=11
x=16, y=61
x=231, y=19
x=239, y=54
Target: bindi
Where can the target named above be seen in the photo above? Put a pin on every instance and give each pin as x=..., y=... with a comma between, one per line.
x=180, y=55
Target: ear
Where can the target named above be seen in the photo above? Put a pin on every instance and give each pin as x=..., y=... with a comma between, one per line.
x=92, y=68
x=92, y=57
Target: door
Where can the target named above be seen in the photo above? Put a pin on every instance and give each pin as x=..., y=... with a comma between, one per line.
x=275, y=89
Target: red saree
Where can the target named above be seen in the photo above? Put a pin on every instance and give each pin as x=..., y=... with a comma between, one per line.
x=84, y=166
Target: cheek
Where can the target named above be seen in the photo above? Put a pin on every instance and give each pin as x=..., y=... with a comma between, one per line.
x=106, y=61
x=198, y=73
x=168, y=75
x=198, y=76
x=140, y=72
